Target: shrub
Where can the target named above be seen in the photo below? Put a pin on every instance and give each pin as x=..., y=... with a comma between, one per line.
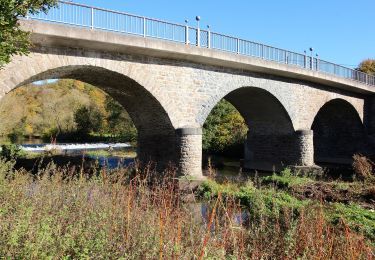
x=11, y=151
x=362, y=167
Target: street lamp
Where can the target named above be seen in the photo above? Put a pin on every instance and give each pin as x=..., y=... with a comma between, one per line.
x=198, y=18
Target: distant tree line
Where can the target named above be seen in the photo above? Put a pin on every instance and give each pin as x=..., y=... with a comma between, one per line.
x=68, y=110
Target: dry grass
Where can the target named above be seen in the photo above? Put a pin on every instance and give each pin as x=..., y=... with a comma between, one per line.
x=362, y=167
x=140, y=215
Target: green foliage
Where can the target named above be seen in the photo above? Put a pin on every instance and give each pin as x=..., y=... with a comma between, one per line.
x=260, y=202
x=88, y=119
x=49, y=111
x=359, y=219
x=367, y=66
x=11, y=151
x=119, y=123
x=224, y=130
x=269, y=202
x=13, y=40
x=287, y=179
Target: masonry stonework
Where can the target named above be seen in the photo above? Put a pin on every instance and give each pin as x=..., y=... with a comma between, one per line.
x=164, y=94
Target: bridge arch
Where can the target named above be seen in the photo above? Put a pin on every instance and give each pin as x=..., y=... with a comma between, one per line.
x=156, y=133
x=271, y=138
x=338, y=132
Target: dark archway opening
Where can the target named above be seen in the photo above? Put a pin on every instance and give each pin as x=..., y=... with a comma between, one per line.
x=270, y=136
x=338, y=133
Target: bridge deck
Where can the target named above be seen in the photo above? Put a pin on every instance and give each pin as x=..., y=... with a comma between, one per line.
x=58, y=35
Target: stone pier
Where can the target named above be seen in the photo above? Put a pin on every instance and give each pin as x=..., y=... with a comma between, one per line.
x=190, y=150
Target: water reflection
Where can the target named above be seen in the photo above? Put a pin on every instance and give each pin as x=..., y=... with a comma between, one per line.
x=112, y=162
x=202, y=211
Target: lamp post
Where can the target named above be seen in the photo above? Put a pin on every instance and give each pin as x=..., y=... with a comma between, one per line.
x=186, y=32
x=311, y=58
x=208, y=37
x=198, y=18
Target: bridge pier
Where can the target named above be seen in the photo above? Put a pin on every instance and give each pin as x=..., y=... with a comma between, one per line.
x=273, y=152
x=305, y=148
x=190, y=152
x=159, y=149
x=369, y=122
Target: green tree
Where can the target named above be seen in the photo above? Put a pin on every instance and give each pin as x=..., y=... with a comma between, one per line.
x=13, y=40
x=367, y=66
x=224, y=130
x=119, y=122
x=88, y=119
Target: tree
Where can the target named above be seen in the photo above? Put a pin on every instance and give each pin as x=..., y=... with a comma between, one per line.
x=14, y=41
x=119, y=122
x=367, y=66
x=224, y=131
x=88, y=119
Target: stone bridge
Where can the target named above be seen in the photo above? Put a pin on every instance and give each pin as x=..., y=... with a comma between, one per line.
x=296, y=116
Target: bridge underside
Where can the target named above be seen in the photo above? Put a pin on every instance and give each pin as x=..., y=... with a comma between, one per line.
x=272, y=143
x=339, y=134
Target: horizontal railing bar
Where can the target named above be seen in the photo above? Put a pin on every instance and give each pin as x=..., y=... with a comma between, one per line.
x=119, y=12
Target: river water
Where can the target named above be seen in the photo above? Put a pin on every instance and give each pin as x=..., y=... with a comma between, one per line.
x=222, y=167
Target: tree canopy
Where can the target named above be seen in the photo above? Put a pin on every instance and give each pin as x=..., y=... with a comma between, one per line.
x=62, y=109
x=224, y=131
x=14, y=41
x=367, y=66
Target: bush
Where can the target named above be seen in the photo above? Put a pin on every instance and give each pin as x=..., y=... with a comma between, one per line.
x=11, y=151
x=362, y=167
x=287, y=179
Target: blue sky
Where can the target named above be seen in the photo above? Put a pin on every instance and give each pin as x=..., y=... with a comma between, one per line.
x=341, y=31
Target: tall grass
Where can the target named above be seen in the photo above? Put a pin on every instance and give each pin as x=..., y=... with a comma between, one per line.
x=139, y=214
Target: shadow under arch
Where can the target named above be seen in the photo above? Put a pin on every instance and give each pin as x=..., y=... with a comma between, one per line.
x=338, y=133
x=156, y=134
x=271, y=133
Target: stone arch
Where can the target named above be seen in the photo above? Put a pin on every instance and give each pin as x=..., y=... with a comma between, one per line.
x=338, y=132
x=156, y=134
x=271, y=136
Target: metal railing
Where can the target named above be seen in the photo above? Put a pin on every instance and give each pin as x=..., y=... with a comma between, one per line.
x=108, y=20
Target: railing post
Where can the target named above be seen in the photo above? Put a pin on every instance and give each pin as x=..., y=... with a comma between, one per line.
x=92, y=18
x=198, y=37
x=305, y=61
x=187, y=34
x=317, y=64
x=238, y=45
x=144, y=26
x=262, y=51
x=209, y=39
x=286, y=58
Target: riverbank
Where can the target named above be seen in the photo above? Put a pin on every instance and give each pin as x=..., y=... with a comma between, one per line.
x=137, y=213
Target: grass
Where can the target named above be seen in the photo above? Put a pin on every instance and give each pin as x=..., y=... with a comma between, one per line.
x=287, y=179
x=356, y=217
x=140, y=214
x=259, y=201
x=128, y=153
